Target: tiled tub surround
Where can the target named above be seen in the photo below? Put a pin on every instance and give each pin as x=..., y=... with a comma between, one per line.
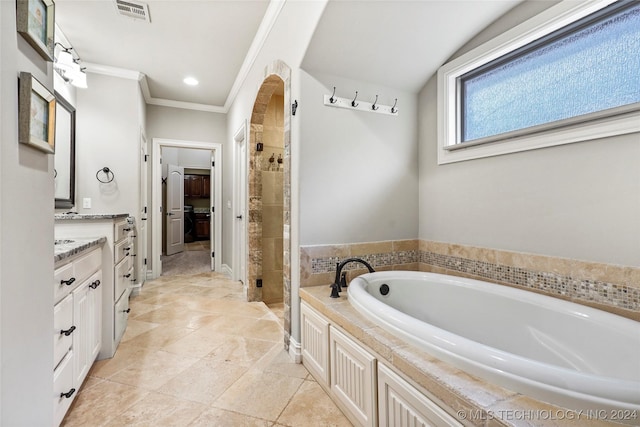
x=469, y=400
x=608, y=287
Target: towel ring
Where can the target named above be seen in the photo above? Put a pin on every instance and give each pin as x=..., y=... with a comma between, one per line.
x=108, y=174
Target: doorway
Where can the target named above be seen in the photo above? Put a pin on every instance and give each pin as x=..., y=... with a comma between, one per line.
x=165, y=154
x=277, y=81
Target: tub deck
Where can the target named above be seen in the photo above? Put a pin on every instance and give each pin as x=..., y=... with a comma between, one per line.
x=478, y=401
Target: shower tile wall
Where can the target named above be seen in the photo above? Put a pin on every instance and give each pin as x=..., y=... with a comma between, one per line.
x=272, y=201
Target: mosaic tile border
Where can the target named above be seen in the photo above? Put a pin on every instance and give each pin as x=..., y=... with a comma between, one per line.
x=328, y=265
x=617, y=295
x=587, y=290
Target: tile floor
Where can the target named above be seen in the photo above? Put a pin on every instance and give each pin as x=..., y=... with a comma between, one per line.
x=196, y=354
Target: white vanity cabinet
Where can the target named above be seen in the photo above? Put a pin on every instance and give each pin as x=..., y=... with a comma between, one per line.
x=118, y=271
x=401, y=404
x=368, y=391
x=76, y=324
x=353, y=377
x=315, y=340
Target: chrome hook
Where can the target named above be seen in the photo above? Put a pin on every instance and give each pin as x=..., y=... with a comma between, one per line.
x=374, y=107
x=333, y=99
x=353, y=103
x=394, y=109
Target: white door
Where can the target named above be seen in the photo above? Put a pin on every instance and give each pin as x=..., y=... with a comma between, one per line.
x=212, y=210
x=142, y=229
x=240, y=195
x=175, y=210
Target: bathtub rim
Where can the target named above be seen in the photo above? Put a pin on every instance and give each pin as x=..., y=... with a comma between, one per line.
x=551, y=386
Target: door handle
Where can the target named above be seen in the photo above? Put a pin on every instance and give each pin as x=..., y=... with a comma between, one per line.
x=239, y=217
x=170, y=213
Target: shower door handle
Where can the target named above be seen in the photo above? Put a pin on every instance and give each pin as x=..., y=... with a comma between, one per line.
x=239, y=217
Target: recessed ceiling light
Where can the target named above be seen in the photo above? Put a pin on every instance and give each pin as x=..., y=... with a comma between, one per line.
x=190, y=81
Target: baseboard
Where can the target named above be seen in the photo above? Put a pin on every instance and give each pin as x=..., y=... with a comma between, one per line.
x=226, y=270
x=295, y=350
x=149, y=274
x=135, y=289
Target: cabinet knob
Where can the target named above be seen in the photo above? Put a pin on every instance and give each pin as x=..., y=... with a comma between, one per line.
x=128, y=310
x=95, y=284
x=126, y=229
x=68, y=394
x=127, y=275
x=68, y=331
x=68, y=282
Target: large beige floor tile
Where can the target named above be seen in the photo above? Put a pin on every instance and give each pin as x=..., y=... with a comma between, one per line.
x=279, y=361
x=221, y=418
x=158, y=368
x=160, y=337
x=311, y=406
x=197, y=344
x=262, y=329
x=204, y=381
x=126, y=356
x=241, y=351
x=136, y=327
x=159, y=410
x=259, y=394
x=97, y=405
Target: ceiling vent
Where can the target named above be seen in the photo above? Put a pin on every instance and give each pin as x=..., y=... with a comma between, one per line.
x=133, y=9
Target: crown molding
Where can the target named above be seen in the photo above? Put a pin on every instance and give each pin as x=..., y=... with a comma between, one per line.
x=268, y=21
x=108, y=70
x=266, y=25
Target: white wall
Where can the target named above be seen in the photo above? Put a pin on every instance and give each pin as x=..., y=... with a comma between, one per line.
x=189, y=125
x=26, y=245
x=358, y=170
x=108, y=125
x=577, y=201
x=287, y=42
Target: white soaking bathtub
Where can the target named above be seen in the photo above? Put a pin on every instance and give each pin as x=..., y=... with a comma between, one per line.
x=553, y=350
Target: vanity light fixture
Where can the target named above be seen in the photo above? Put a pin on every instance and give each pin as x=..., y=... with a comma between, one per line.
x=69, y=67
x=191, y=81
x=80, y=80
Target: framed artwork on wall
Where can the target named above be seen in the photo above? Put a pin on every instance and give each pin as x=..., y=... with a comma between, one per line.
x=36, y=114
x=35, y=22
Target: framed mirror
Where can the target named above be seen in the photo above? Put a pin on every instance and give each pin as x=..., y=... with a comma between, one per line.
x=65, y=155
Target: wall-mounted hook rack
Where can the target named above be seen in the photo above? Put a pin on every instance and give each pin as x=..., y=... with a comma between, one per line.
x=336, y=101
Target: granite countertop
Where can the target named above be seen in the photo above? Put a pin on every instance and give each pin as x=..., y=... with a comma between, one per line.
x=201, y=210
x=77, y=216
x=72, y=246
x=473, y=400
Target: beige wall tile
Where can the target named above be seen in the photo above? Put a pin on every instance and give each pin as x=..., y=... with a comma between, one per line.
x=404, y=245
x=359, y=249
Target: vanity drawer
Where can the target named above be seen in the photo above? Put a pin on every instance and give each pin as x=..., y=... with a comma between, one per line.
x=122, y=230
x=122, y=249
x=121, y=315
x=86, y=265
x=67, y=277
x=62, y=321
x=123, y=275
x=63, y=387
x=61, y=277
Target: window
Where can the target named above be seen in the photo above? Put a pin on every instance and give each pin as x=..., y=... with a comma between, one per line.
x=570, y=74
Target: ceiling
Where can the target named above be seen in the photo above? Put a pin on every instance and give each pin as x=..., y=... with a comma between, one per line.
x=205, y=39
x=398, y=44
x=395, y=43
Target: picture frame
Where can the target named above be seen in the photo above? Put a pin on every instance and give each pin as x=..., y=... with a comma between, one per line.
x=36, y=114
x=36, y=22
